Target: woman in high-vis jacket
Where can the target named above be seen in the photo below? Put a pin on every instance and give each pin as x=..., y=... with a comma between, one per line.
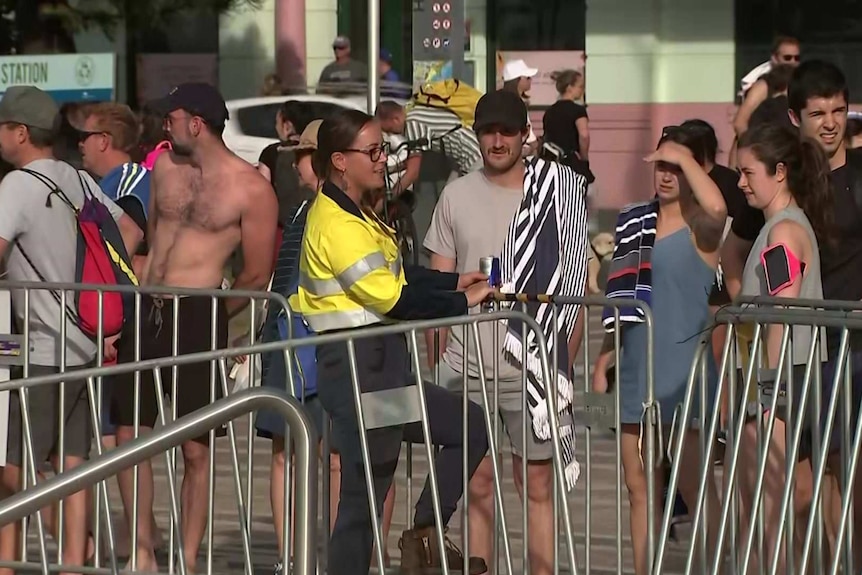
x=351, y=277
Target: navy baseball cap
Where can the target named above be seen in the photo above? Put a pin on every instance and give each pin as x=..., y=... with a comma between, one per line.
x=196, y=98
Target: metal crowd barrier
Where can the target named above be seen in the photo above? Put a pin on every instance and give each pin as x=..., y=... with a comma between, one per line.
x=780, y=529
x=596, y=412
x=599, y=413
x=32, y=500
x=16, y=354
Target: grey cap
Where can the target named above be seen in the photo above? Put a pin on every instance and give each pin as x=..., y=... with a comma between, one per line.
x=30, y=106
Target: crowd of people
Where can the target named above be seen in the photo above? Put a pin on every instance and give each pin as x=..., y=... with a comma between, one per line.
x=786, y=226
x=185, y=204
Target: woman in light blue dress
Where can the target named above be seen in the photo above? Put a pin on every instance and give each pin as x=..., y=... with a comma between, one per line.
x=690, y=215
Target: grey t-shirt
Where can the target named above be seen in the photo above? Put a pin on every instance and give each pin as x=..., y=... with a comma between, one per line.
x=754, y=277
x=470, y=221
x=49, y=236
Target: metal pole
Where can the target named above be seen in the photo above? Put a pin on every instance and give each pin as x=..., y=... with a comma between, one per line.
x=373, y=54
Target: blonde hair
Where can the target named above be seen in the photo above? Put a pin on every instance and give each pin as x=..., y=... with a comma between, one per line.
x=565, y=78
x=119, y=121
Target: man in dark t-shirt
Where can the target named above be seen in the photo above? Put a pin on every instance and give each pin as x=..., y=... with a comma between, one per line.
x=818, y=98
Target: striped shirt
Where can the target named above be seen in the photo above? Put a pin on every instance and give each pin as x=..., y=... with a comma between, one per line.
x=287, y=264
x=128, y=179
x=460, y=145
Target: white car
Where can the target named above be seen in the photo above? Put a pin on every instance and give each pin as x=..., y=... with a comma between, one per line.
x=251, y=126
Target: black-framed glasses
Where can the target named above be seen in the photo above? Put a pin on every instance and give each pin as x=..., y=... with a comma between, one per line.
x=374, y=153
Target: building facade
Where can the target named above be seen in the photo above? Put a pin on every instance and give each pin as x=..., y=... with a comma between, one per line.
x=648, y=63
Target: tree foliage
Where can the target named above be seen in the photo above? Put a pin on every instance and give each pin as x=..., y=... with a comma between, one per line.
x=50, y=25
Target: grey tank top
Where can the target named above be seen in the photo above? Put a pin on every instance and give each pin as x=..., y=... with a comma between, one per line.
x=754, y=279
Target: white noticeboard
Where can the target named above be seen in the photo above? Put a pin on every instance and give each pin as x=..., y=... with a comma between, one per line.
x=5, y=328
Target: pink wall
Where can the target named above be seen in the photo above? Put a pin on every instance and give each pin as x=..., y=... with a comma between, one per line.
x=290, y=41
x=622, y=134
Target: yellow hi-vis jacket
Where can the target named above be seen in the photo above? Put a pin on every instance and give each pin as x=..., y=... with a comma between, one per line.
x=350, y=271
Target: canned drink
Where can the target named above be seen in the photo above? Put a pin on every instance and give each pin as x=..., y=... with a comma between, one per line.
x=490, y=266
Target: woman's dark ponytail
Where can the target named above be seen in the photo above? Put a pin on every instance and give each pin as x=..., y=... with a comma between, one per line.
x=812, y=188
x=808, y=174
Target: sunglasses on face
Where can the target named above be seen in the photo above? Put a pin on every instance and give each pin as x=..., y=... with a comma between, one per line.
x=790, y=57
x=84, y=135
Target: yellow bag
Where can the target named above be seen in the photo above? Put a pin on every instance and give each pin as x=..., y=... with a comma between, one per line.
x=453, y=95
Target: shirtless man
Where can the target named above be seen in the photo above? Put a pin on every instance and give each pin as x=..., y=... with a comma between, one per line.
x=204, y=203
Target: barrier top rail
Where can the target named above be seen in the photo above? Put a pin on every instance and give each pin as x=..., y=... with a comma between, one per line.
x=143, y=290
x=823, y=304
x=788, y=315
x=277, y=346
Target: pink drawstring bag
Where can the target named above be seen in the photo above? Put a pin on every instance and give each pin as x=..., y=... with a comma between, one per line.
x=150, y=160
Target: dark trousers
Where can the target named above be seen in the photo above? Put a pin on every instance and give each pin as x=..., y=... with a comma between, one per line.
x=383, y=363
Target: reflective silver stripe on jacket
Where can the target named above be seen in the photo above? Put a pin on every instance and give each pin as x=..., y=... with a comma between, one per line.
x=348, y=277
x=320, y=322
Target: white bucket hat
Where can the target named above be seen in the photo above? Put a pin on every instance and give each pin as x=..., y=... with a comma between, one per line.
x=514, y=69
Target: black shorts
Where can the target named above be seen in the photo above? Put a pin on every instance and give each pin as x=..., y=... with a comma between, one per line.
x=194, y=335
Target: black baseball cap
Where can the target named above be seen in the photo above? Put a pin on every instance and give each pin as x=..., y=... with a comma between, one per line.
x=196, y=98
x=500, y=108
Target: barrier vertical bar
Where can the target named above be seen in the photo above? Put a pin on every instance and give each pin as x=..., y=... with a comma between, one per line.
x=556, y=487
x=465, y=459
x=102, y=493
x=366, y=454
x=496, y=470
x=618, y=442
x=171, y=472
x=175, y=352
x=61, y=425
x=550, y=389
x=136, y=424
x=373, y=52
x=243, y=522
x=212, y=438
x=588, y=453
x=28, y=465
x=429, y=452
x=252, y=381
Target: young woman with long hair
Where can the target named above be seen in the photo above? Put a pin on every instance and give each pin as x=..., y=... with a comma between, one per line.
x=786, y=177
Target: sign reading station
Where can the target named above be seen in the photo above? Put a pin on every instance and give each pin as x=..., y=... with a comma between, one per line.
x=67, y=77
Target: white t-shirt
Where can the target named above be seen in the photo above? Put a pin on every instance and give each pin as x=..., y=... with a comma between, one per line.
x=756, y=74
x=49, y=237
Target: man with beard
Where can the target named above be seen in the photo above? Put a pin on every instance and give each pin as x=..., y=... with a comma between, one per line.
x=205, y=202
x=818, y=99
x=456, y=240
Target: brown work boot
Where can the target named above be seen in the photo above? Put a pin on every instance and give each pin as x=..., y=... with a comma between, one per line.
x=420, y=554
